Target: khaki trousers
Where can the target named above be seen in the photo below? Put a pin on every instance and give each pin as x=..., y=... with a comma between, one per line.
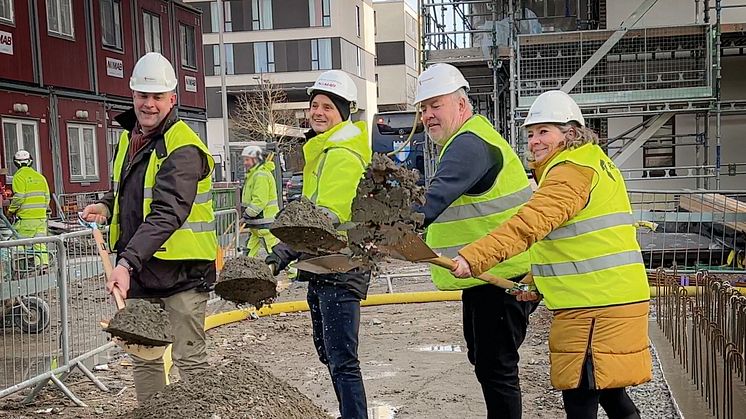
x=186, y=311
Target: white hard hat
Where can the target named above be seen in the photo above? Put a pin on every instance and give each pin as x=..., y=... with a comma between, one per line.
x=339, y=83
x=438, y=80
x=252, y=151
x=22, y=158
x=554, y=107
x=153, y=73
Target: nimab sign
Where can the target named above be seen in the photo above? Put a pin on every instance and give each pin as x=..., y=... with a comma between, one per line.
x=191, y=83
x=114, y=68
x=6, y=43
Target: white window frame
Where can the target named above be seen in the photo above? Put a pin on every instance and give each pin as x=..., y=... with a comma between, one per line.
x=319, y=18
x=116, y=9
x=184, y=33
x=215, y=17
x=149, y=28
x=9, y=7
x=261, y=15
x=269, y=54
x=83, y=176
x=19, y=123
x=55, y=7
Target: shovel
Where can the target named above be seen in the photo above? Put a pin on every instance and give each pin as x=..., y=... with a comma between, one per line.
x=148, y=353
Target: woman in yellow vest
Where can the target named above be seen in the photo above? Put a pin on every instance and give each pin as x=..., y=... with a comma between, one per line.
x=585, y=261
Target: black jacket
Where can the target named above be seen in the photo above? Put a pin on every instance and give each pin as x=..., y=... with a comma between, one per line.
x=173, y=194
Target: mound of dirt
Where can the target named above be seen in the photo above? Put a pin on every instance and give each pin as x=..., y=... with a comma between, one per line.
x=381, y=210
x=238, y=389
x=143, y=323
x=246, y=280
x=306, y=228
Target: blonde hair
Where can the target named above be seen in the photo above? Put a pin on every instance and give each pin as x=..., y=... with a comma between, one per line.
x=576, y=136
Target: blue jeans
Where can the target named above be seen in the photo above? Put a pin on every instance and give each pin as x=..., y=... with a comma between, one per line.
x=335, y=315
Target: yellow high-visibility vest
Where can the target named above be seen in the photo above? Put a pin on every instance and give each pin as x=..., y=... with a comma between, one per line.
x=471, y=217
x=593, y=259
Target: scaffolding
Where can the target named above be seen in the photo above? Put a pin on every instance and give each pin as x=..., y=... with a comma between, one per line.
x=511, y=51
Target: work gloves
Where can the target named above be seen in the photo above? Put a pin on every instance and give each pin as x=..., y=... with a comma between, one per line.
x=275, y=263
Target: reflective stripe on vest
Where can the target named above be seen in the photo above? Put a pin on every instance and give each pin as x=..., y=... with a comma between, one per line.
x=194, y=240
x=593, y=259
x=471, y=217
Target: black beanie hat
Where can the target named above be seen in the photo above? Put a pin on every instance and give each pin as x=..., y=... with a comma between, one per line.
x=342, y=104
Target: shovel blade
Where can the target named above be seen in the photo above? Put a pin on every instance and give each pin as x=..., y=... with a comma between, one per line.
x=410, y=247
x=148, y=353
x=328, y=264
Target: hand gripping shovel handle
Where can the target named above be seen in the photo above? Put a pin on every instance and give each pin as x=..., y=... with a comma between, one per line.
x=448, y=263
x=105, y=260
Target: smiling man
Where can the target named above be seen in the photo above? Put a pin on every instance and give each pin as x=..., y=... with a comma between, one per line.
x=479, y=183
x=336, y=154
x=162, y=224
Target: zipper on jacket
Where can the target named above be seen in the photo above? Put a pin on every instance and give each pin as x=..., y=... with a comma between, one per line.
x=588, y=353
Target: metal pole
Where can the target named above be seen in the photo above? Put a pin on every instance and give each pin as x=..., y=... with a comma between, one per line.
x=224, y=94
x=513, y=53
x=717, y=94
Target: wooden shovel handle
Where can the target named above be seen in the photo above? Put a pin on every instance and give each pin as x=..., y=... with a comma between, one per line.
x=448, y=263
x=118, y=297
x=108, y=268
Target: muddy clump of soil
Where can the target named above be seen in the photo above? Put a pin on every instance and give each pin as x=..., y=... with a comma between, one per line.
x=381, y=210
x=306, y=228
x=143, y=323
x=237, y=389
x=246, y=280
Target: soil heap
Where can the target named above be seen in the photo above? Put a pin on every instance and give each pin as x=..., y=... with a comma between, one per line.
x=238, y=389
x=141, y=322
x=381, y=210
x=306, y=228
x=246, y=280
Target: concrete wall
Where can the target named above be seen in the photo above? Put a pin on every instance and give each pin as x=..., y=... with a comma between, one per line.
x=396, y=24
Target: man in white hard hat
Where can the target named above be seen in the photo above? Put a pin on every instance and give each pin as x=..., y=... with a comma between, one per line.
x=259, y=200
x=30, y=201
x=336, y=153
x=479, y=183
x=162, y=224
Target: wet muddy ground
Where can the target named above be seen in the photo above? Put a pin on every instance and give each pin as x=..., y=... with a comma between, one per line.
x=305, y=228
x=141, y=322
x=413, y=359
x=246, y=280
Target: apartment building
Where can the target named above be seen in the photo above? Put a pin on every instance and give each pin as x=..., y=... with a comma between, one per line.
x=397, y=58
x=64, y=75
x=290, y=43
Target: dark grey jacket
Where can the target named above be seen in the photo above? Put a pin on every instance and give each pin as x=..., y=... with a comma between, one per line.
x=173, y=194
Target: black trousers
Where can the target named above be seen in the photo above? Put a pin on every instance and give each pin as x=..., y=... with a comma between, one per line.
x=582, y=402
x=494, y=327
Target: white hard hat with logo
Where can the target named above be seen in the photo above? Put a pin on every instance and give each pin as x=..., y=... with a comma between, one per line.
x=252, y=151
x=438, y=80
x=153, y=73
x=339, y=83
x=554, y=107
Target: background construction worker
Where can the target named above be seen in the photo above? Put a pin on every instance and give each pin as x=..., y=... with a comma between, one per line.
x=162, y=220
x=259, y=200
x=30, y=202
x=479, y=183
x=586, y=261
x=336, y=153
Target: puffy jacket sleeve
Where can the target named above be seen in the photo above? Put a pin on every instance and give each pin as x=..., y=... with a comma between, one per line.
x=261, y=193
x=340, y=175
x=564, y=192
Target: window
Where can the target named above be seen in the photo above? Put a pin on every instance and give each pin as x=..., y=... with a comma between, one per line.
x=188, y=46
x=321, y=54
x=112, y=141
x=375, y=24
x=20, y=134
x=264, y=57
x=111, y=23
x=411, y=26
x=378, y=91
x=152, y=27
x=229, y=63
x=261, y=14
x=60, y=17
x=81, y=147
x=659, y=151
x=215, y=17
x=359, y=63
x=319, y=13
x=410, y=56
x=6, y=11
x=357, y=19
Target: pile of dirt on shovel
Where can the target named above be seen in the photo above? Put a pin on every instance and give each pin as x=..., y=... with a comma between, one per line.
x=246, y=280
x=238, y=389
x=381, y=210
x=306, y=228
x=141, y=322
